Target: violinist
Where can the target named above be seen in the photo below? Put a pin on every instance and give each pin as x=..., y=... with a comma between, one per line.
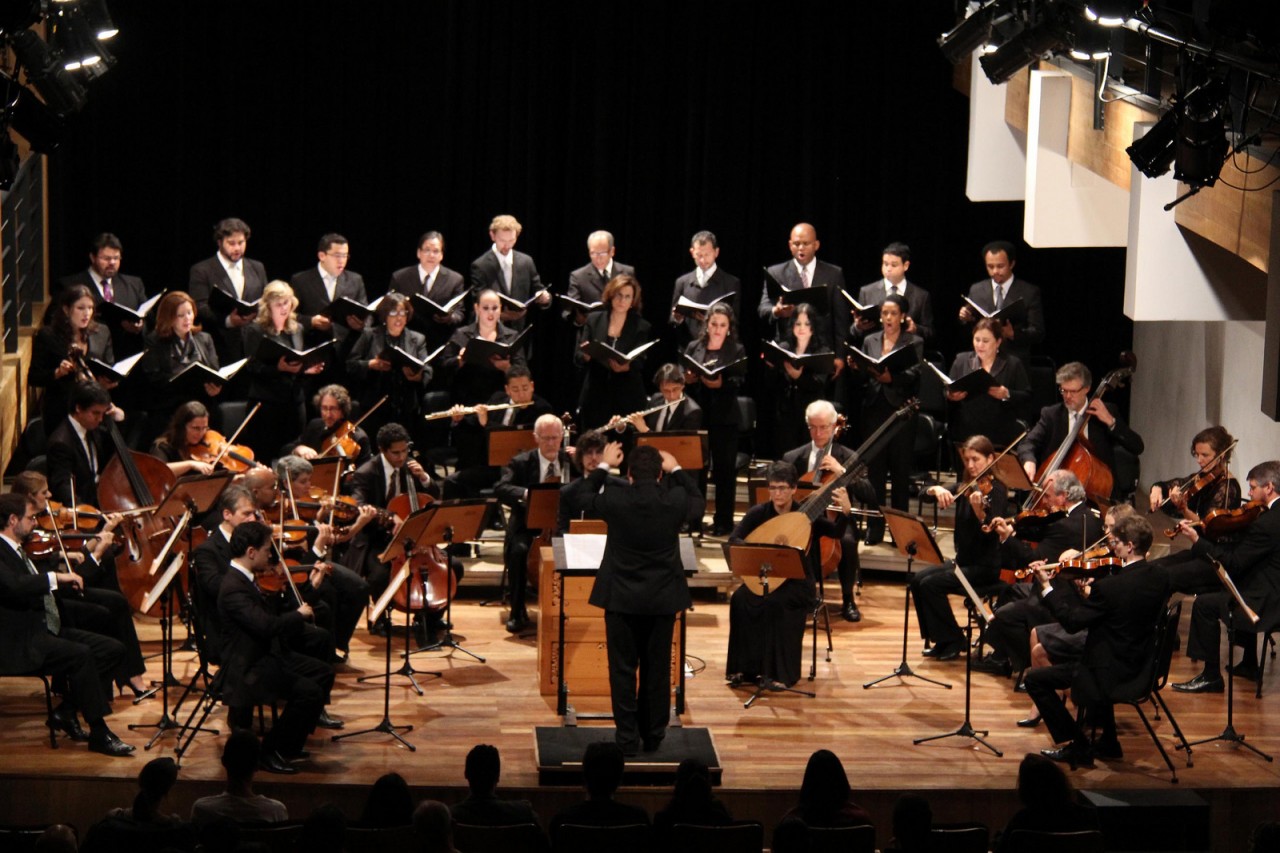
x=1079, y=527
x=472, y=382
x=469, y=432
x=718, y=345
x=78, y=448
x=995, y=412
x=369, y=366
x=259, y=670
x=1254, y=564
x=613, y=386
x=334, y=404
x=67, y=337
x=1104, y=431
x=977, y=551
x=825, y=458
x=175, y=344
x=186, y=431
x=794, y=388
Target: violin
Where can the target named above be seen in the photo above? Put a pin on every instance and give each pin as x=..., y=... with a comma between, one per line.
x=342, y=509
x=43, y=543
x=1223, y=522
x=339, y=439
x=1028, y=520
x=1188, y=487
x=84, y=517
x=273, y=580
x=216, y=450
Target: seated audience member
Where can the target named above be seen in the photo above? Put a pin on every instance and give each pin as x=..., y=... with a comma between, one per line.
x=791, y=835
x=691, y=801
x=824, y=794
x=239, y=803
x=912, y=825
x=59, y=838
x=602, y=764
x=433, y=828
x=1265, y=837
x=389, y=803
x=155, y=780
x=483, y=807
x=1048, y=803
x=324, y=830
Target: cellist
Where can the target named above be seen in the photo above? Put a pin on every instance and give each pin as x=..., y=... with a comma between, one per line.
x=1104, y=431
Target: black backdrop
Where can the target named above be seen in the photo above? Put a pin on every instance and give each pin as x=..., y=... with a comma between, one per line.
x=651, y=119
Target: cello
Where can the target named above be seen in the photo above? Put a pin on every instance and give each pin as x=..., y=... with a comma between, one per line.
x=1076, y=453
x=431, y=583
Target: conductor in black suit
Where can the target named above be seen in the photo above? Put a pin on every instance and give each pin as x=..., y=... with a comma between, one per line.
x=507, y=271
x=317, y=287
x=33, y=639
x=575, y=498
x=805, y=270
x=641, y=586
x=1119, y=614
x=705, y=283
x=108, y=284
x=1000, y=289
x=232, y=273
x=895, y=260
x=431, y=279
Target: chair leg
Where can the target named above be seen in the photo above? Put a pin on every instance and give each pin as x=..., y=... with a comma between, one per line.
x=48, y=704
x=1177, y=730
x=1173, y=773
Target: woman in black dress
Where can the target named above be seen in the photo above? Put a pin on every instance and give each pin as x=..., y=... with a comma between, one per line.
x=473, y=381
x=375, y=376
x=613, y=387
x=718, y=345
x=794, y=388
x=175, y=344
x=69, y=334
x=993, y=413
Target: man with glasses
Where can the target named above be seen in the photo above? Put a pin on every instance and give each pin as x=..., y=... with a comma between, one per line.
x=1105, y=430
x=586, y=284
x=546, y=463
x=317, y=287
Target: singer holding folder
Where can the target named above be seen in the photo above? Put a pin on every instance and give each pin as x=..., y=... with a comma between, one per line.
x=611, y=385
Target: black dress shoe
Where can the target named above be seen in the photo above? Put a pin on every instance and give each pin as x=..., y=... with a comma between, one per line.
x=652, y=745
x=324, y=721
x=107, y=743
x=993, y=666
x=516, y=624
x=1201, y=684
x=1108, y=749
x=1029, y=722
x=947, y=651
x=1070, y=754
x=273, y=762
x=67, y=723
x=849, y=612
x=721, y=530
x=1244, y=669
x=381, y=628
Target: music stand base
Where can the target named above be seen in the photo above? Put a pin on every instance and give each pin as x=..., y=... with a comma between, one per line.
x=447, y=642
x=966, y=730
x=386, y=727
x=903, y=670
x=407, y=670
x=768, y=685
x=1230, y=735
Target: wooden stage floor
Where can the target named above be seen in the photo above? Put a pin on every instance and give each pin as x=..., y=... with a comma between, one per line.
x=763, y=749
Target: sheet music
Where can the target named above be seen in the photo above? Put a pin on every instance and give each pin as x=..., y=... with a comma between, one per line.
x=978, y=603
x=583, y=550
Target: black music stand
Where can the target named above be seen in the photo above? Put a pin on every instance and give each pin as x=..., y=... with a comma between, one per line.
x=913, y=540
x=760, y=564
x=504, y=443
x=189, y=498
x=974, y=605
x=327, y=469
x=451, y=518
x=542, y=514
x=1234, y=600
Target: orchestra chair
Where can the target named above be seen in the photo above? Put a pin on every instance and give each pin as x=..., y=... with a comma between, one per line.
x=931, y=393
x=31, y=444
x=747, y=417
x=441, y=454
x=959, y=838
x=39, y=464
x=1029, y=841
x=20, y=838
x=628, y=838
x=1127, y=472
x=230, y=414
x=517, y=838
x=842, y=839
x=927, y=449
x=368, y=839
x=1265, y=630
x=744, y=836
x=48, y=704
x=276, y=837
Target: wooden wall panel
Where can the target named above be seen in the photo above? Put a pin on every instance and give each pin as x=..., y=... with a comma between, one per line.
x=1238, y=221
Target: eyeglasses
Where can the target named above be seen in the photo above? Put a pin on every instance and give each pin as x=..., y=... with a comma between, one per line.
x=1070, y=392
x=397, y=313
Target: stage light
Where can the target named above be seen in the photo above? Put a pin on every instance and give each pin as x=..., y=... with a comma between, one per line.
x=58, y=88
x=1111, y=13
x=1202, y=145
x=73, y=38
x=1153, y=153
x=1090, y=43
x=100, y=23
x=971, y=33
x=1023, y=49
x=32, y=119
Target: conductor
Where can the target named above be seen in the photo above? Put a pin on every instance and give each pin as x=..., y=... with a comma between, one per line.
x=641, y=586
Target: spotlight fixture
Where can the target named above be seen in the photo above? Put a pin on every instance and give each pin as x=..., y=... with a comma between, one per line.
x=100, y=23
x=1090, y=43
x=1202, y=135
x=1024, y=49
x=1111, y=13
x=58, y=88
x=31, y=119
x=72, y=35
x=1153, y=153
x=971, y=33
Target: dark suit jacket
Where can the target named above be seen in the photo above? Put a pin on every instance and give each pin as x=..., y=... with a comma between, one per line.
x=521, y=473
x=471, y=440
x=1119, y=613
x=905, y=383
x=313, y=435
x=982, y=414
x=447, y=285
x=211, y=561
x=1030, y=331
x=686, y=414
x=860, y=489
x=369, y=484
x=67, y=459
x=835, y=309
x=486, y=273
x=1079, y=529
x=718, y=285
x=719, y=405
x=641, y=572
x=308, y=286
x=250, y=632
x=369, y=385
x=481, y=810
x=24, y=637
x=472, y=382
x=1051, y=430
x=919, y=307
x=1253, y=563
x=48, y=350
x=585, y=284
x=575, y=500
x=206, y=275
x=127, y=291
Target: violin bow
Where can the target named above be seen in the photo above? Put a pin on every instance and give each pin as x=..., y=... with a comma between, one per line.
x=226, y=448
x=1003, y=453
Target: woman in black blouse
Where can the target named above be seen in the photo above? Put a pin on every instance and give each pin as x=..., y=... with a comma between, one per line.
x=375, y=376
x=794, y=388
x=187, y=428
x=612, y=387
x=175, y=344
x=475, y=381
x=68, y=328
x=993, y=413
x=718, y=345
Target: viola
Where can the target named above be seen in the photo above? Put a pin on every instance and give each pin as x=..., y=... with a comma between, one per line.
x=42, y=543
x=216, y=450
x=1224, y=522
x=339, y=439
x=342, y=508
x=83, y=517
x=273, y=580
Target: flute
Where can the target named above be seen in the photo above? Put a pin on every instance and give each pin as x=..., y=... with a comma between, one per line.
x=471, y=410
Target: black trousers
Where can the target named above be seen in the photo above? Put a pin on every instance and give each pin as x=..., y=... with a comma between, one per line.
x=930, y=588
x=302, y=682
x=1043, y=684
x=641, y=710
x=724, y=472
x=87, y=661
x=1010, y=633
x=103, y=611
x=515, y=554
x=1207, y=615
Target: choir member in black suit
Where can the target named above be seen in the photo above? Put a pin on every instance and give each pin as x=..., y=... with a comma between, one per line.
x=587, y=283
x=469, y=432
x=432, y=279
x=705, y=283
x=641, y=587
x=281, y=386
x=474, y=381
x=575, y=498
x=67, y=334
x=377, y=377
x=994, y=412
x=1120, y=613
x=885, y=392
x=1254, y=565
x=334, y=404
x=78, y=448
x=547, y=463
x=1106, y=429
x=977, y=552
x=173, y=346
x=257, y=668
x=317, y=287
x=792, y=389
x=235, y=275
x=33, y=638
x=504, y=270
x=895, y=260
x=802, y=271
x=108, y=284
x=612, y=386
x=1001, y=289
x=681, y=413
x=718, y=397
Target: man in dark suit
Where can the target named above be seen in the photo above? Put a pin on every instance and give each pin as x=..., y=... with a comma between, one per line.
x=805, y=270
x=482, y=807
x=211, y=560
x=508, y=272
x=895, y=260
x=1119, y=614
x=432, y=279
x=586, y=283
x=546, y=463
x=1105, y=430
x=469, y=433
x=602, y=766
x=317, y=287
x=1001, y=289
x=641, y=586
x=333, y=402
x=33, y=638
x=575, y=498
x=681, y=413
x=232, y=273
x=706, y=283
x=1253, y=563
x=1010, y=633
x=108, y=284
x=828, y=458
x=256, y=667
x=78, y=449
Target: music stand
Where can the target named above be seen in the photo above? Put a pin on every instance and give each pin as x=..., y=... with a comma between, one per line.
x=327, y=469
x=542, y=513
x=1009, y=471
x=451, y=518
x=689, y=447
x=1234, y=600
x=913, y=539
x=974, y=605
x=758, y=565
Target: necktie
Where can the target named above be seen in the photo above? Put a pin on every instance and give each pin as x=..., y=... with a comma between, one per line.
x=330, y=287
x=804, y=277
x=506, y=273
x=508, y=416
x=52, y=620
x=698, y=276
x=662, y=420
x=91, y=455
x=604, y=276
x=107, y=293
x=393, y=485
x=236, y=274
x=553, y=476
x=426, y=285
x=999, y=296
